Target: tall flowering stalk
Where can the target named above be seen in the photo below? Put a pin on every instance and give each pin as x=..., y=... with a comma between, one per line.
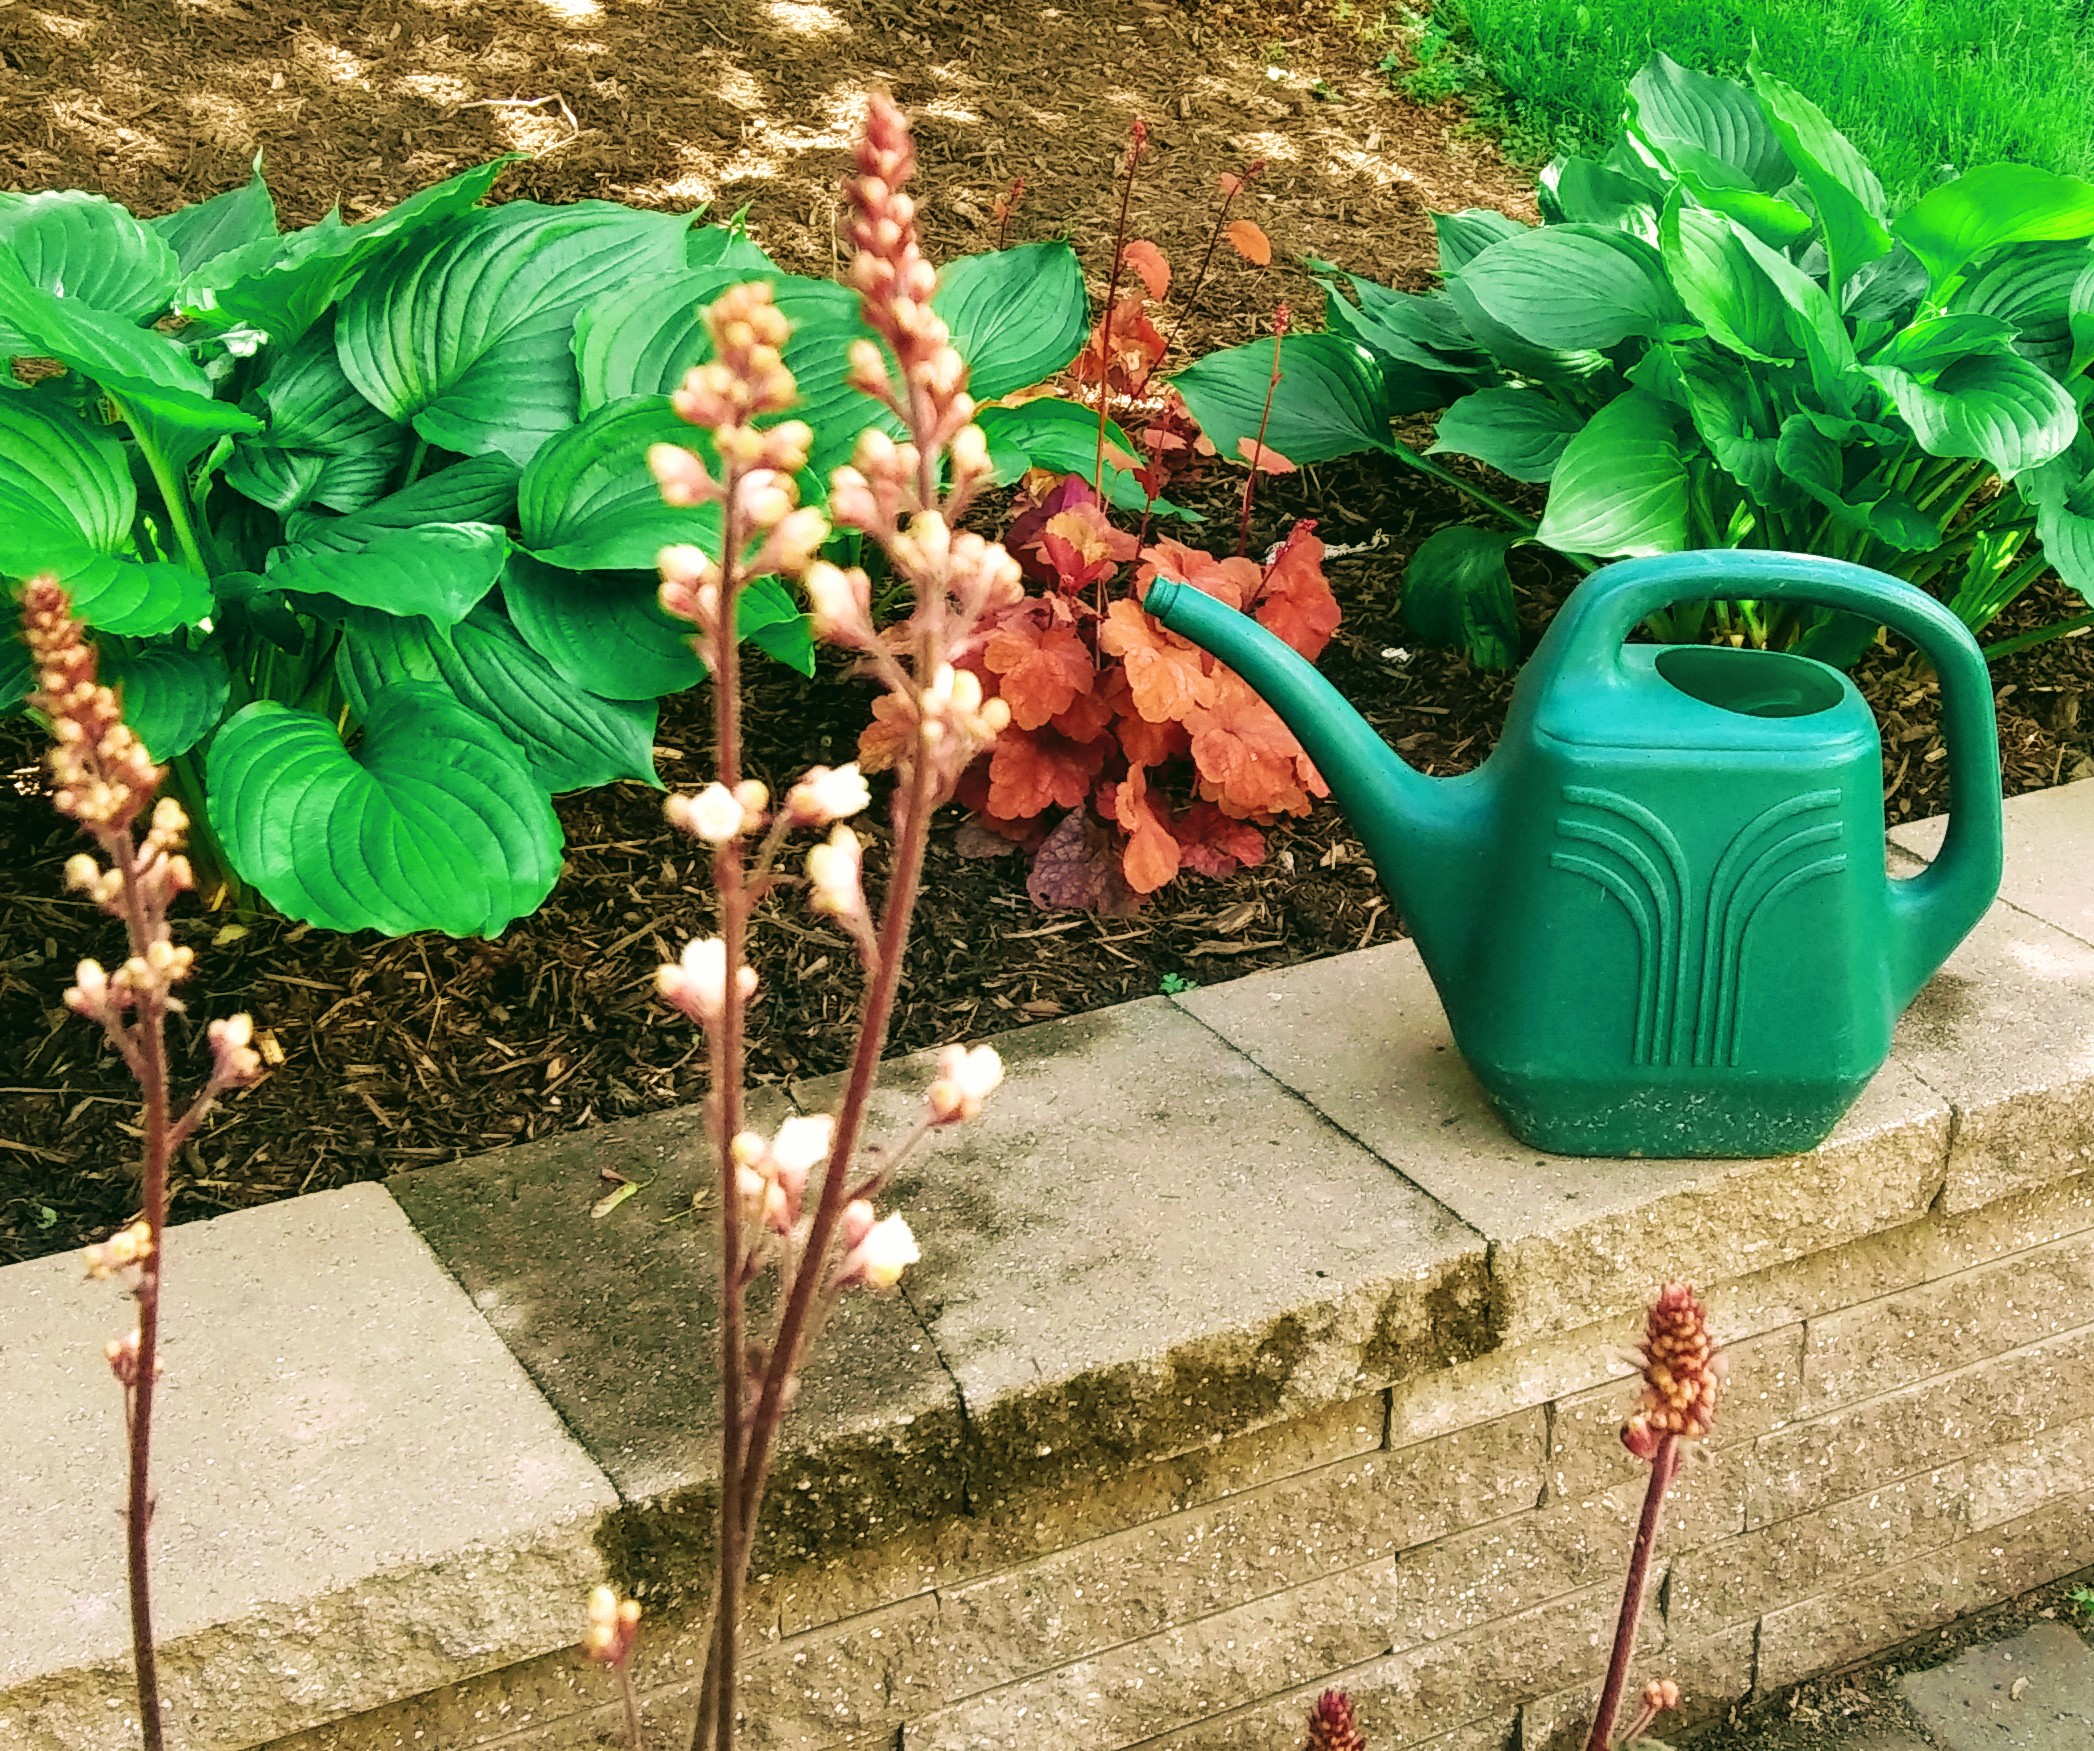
x=103, y=779
x=1682, y=1369
x=1332, y=1726
x=803, y=1202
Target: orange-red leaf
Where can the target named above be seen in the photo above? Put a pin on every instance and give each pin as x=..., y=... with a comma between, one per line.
x=1151, y=857
x=1249, y=761
x=1249, y=242
x=1087, y=717
x=1034, y=769
x=1296, y=603
x=1231, y=580
x=1039, y=670
x=1263, y=457
x=1164, y=673
x=1211, y=844
x=1147, y=260
x=882, y=740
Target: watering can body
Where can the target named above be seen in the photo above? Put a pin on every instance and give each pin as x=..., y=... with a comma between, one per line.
x=1659, y=915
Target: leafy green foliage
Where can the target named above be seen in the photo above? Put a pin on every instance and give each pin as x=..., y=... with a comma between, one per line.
x=363, y=517
x=1723, y=335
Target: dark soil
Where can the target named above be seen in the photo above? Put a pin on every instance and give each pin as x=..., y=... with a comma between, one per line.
x=396, y=1053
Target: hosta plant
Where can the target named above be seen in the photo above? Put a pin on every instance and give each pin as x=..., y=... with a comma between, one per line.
x=360, y=514
x=1723, y=335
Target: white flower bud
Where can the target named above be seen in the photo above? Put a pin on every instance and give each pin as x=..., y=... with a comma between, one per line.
x=833, y=870
x=697, y=983
x=828, y=793
x=966, y=1078
x=715, y=814
x=882, y=1252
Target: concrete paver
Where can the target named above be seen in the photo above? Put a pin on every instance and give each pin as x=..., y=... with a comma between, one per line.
x=2033, y=1693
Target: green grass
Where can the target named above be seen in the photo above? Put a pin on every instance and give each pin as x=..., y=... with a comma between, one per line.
x=1919, y=85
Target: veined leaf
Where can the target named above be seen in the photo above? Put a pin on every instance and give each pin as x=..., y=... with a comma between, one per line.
x=766, y=615
x=2031, y=286
x=324, y=441
x=1519, y=432
x=1061, y=436
x=1567, y=287
x=137, y=598
x=163, y=394
x=1814, y=321
x=173, y=696
x=587, y=501
x=1458, y=592
x=84, y=247
x=1987, y=208
x=570, y=738
x=731, y=247
x=1620, y=488
x=481, y=489
x=234, y=220
x=63, y=482
x=1418, y=329
x=1578, y=191
x=1722, y=285
x=1929, y=346
x=1702, y=122
x=434, y=822
x=2063, y=495
x=1775, y=221
x=471, y=341
x=438, y=570
x=1465, y=235
x=1813, y=459
x=1737, y=425
x=16, y=677
x=1849, y=199
x=603, y=631
x=280, y=285
x=1017, y=315
x=1997, y=408
x=1329, y=401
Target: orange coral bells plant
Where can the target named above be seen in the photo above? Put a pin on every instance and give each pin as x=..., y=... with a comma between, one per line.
x=1682, y=1369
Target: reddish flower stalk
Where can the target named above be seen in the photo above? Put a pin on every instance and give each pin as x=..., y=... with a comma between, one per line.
x=103, y=778
x=1233, y=183
x=611, y=1636
x=1137, y=147
x=1331, y=1725
x=907, y=496
x=1682, y=1369
x=1272, y=387
x=1006, y=207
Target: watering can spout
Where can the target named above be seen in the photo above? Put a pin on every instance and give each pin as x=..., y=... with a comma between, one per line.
x=1418, y=830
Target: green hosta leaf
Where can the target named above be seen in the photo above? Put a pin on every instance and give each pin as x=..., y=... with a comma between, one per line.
x=1722, y=285
x=1849, y=199
x=571, y=739
x=1814, y=460
x=471, y=341
x=433, y=822
x=1734, y=422
x=281, y=285
x=587, y=501
x=1929, y=346
x=642, y=340
x=2031, y=286
x=1329, y=401
x=2063, y=495
x=1620, y=487
x=325, y=443
x=603, y=631
x=173, y=696
x=1519, y=432
x=1061, y=436
x=64, y=484
x=728, y=246
x=1567, y=287
x=162, y=393
x=138, y=598
x=237, y=219
x=16, y=678
x=1998, y=408
x=1989, y=207
x=768, y=617
x=1815, y=324
x=438, y=570
x=1776, y=222
x=1700, y=122
x=1578, y=191
x=1409, y=328
x=85, y=248
x=1017, y=315
x=1467, y=234
x=481, y=489
x=1457, y=591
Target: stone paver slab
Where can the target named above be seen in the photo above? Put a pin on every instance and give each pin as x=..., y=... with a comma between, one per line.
x=2005, y=1033
x=1146, y=1240
x=360, y=1495
x=2033, y=1693
x=1363, y=1039
x=2048, y=835
x=617, y=1319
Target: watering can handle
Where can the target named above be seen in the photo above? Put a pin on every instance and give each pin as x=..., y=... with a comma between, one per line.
x=1933, y=911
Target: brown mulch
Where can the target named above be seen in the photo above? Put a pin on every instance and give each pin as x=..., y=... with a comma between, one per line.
x=400, y=1053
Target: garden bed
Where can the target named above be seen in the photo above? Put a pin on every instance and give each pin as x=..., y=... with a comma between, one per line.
x=403, y=1053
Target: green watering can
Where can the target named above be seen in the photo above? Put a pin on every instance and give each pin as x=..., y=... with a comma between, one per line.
x=1658, y=915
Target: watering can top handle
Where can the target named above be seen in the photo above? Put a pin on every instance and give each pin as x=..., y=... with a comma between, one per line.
x=1942, y=904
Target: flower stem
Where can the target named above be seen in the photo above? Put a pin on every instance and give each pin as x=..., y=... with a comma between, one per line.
x=172, y=494
x=1272, y=388
x=1112, y=295
x=1664, y=1467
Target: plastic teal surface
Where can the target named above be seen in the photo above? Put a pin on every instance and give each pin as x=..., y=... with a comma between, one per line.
x=1659, y=915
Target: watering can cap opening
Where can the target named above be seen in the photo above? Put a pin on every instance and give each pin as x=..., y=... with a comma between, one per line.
x=1751, y=683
